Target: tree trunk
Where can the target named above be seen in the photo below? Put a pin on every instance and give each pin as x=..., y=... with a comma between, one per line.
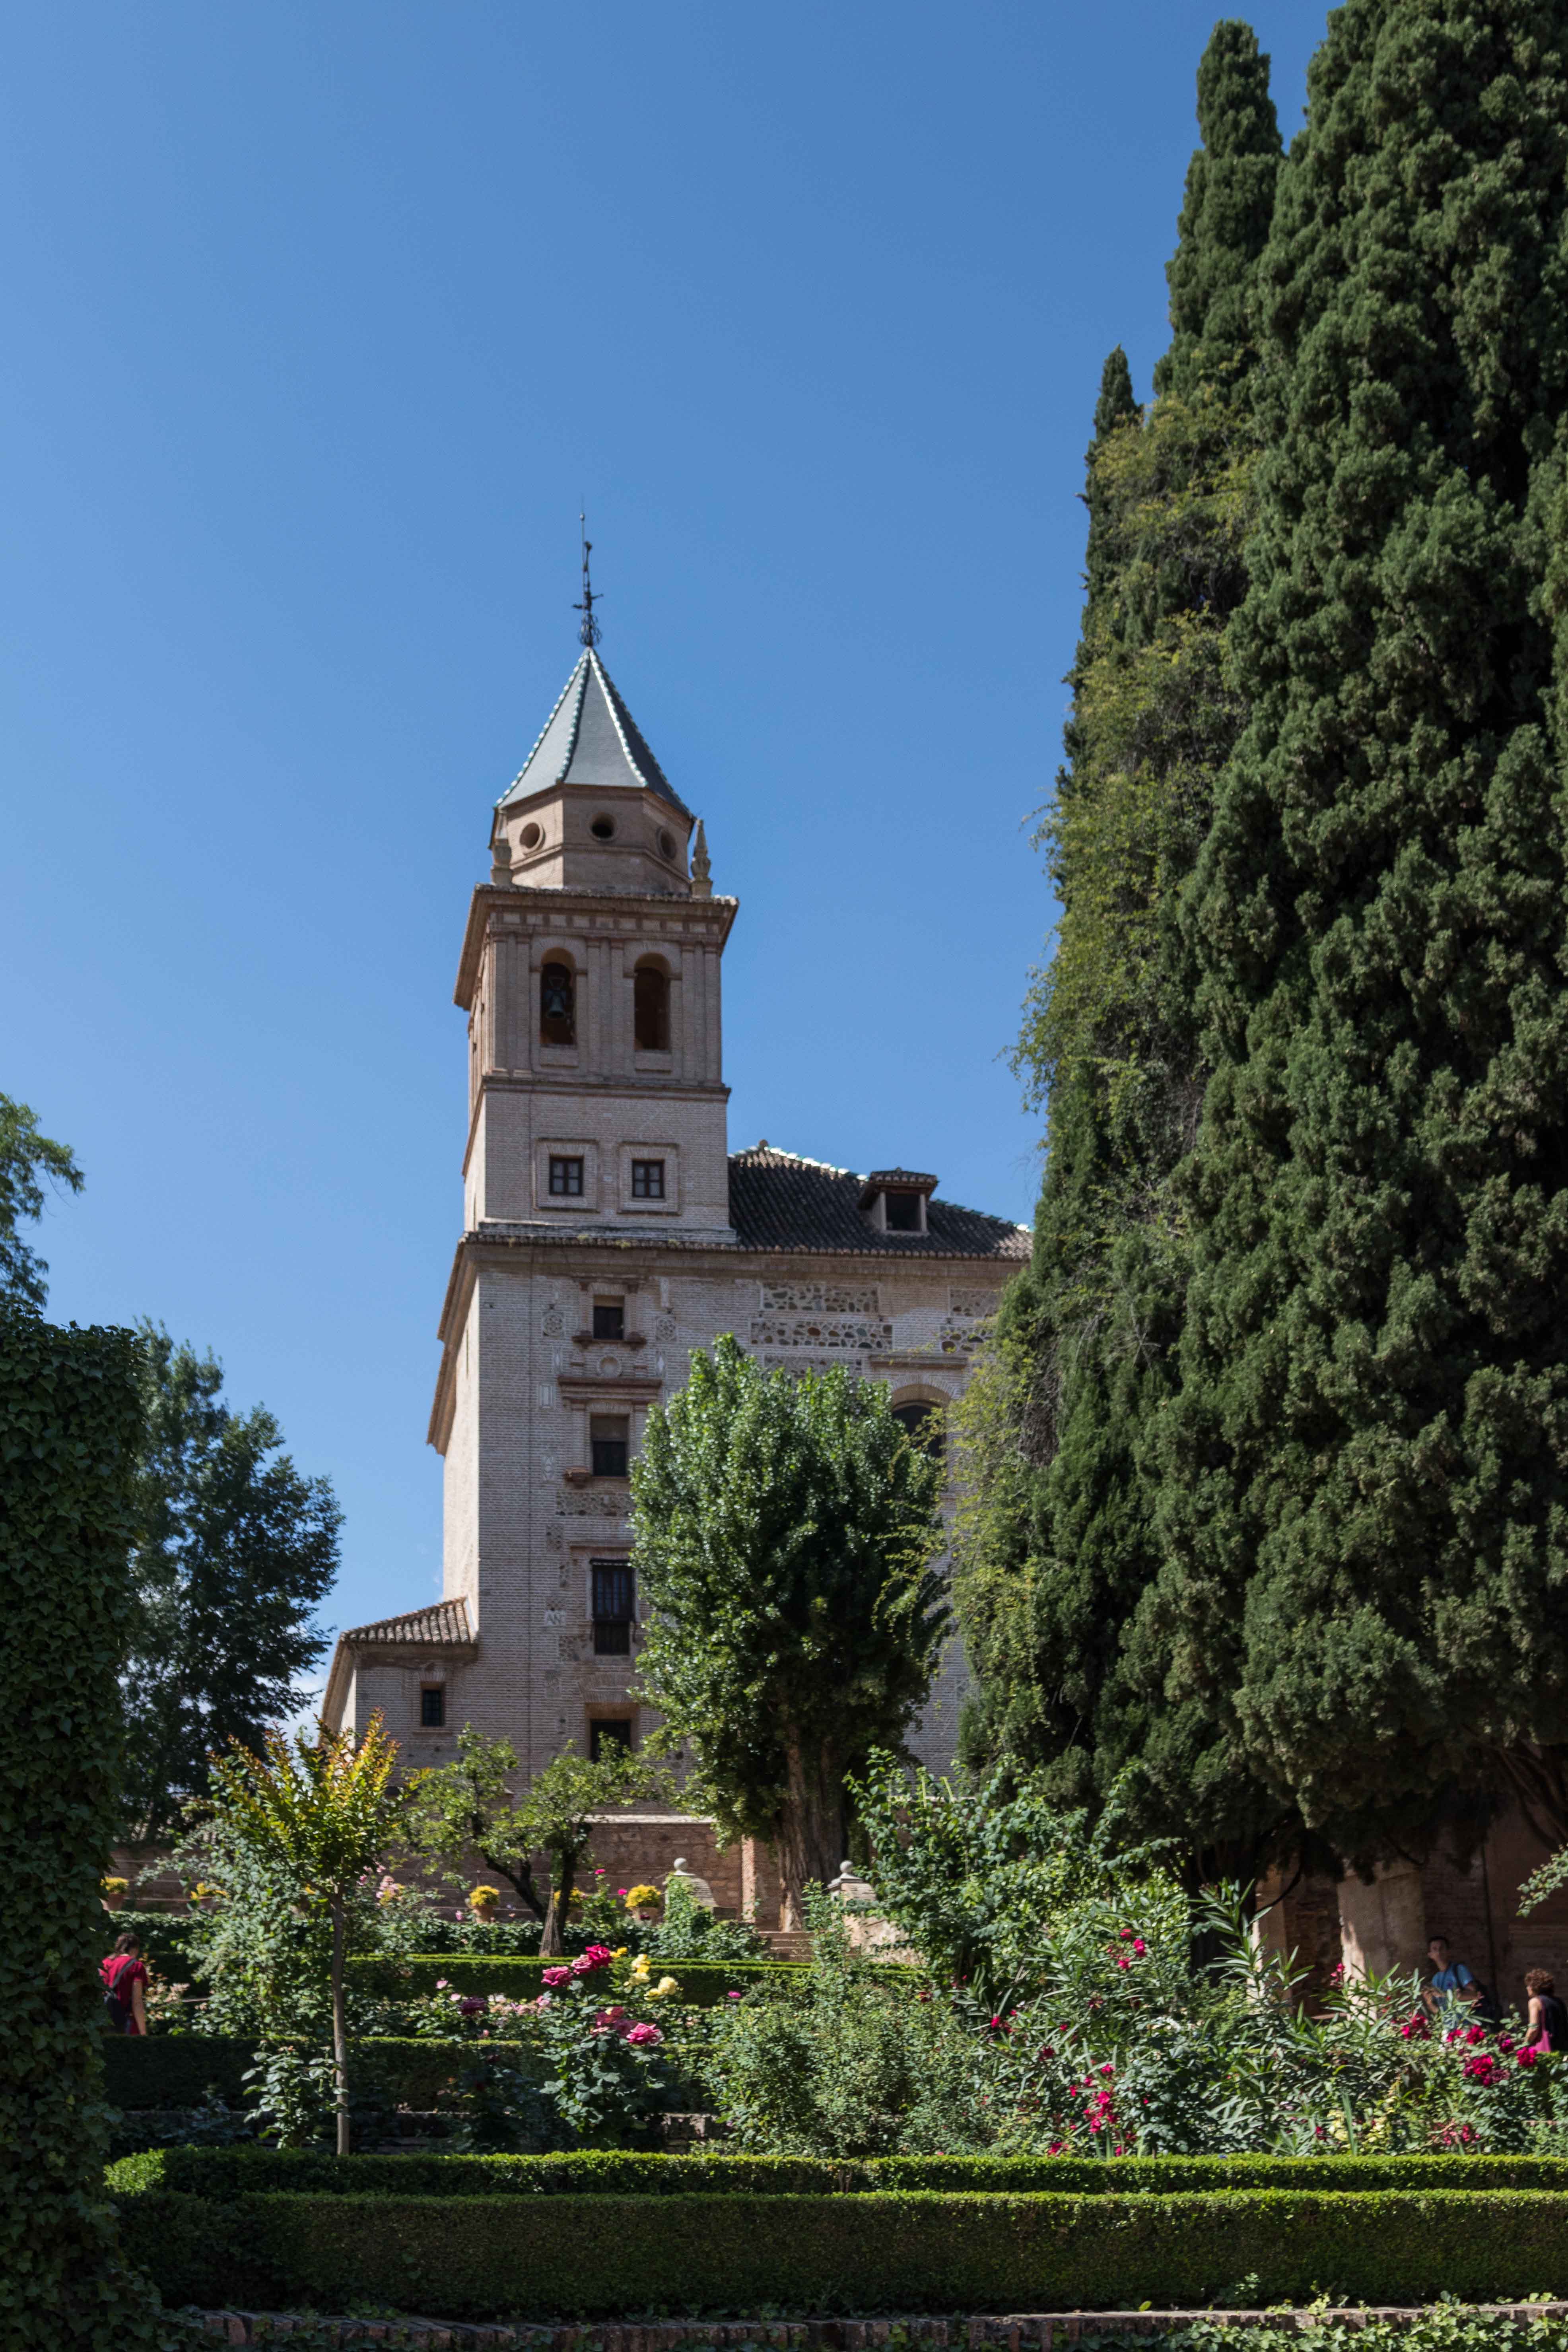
x=520, y=1880
x=550, y=1943
x=340, y=2024
x=811, y=1824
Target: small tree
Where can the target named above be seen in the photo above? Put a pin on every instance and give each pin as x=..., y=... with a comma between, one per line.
x=468, y=1807
x=786, y=1534
x=29, y=1160
x=324, y=1814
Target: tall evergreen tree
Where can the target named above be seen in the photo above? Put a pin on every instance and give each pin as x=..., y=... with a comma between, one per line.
x=1056, y=1540
x=234, y=1549
x=1363, y=1505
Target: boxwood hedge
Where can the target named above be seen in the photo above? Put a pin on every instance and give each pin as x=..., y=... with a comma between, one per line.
x=602, y=2256
x=701, y=1982
x=178, y=2070
x=228, y=2173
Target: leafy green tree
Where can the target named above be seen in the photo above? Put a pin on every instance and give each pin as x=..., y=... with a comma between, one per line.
x=469, y=1807
x=786, y=1530
x=235, y=1549
x=28, y=1161
x=1359, y=1488
x=323, y=1816
x=1057, y=1550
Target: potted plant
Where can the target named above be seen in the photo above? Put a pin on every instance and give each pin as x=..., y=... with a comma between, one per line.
x=483, y=1902
x=114, y=1891
x=644, y=1902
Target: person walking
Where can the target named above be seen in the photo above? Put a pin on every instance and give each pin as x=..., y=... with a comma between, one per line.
x=125, y=1974
x=1548, y=2015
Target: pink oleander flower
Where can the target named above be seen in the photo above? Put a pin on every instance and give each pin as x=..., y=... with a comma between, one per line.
x=735, y=1996
x=1139, y=1946
x=1483, y=2070
x=1122, y=1962
x=644, y=2037
x=1474, y=2034
x=1125, y=1934
x=1107, y=2068
x=1506, y=2043
x=557, y=1976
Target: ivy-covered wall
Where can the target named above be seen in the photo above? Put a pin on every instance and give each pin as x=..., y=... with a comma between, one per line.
x=69, y=1425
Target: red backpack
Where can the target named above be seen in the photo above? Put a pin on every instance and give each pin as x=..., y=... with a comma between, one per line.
x=117, y=1990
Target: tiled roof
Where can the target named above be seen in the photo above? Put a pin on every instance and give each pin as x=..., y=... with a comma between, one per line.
x=590, y=738
x=779, y=1201
x=418, y=1628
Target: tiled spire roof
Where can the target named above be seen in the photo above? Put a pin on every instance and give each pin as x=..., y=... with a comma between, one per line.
x=780, y=1202
x=590, y=738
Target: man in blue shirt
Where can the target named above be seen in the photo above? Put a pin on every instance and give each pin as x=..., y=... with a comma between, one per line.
x=1452, y=1987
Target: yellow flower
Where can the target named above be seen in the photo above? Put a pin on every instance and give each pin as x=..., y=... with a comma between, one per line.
x=620, y=1951
x=114, y=1886
x=484, y=1894
x=641, y=1965
x=642, y=1898
x=661, y=1990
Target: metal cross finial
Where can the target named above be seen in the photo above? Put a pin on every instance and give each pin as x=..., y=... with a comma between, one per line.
x=588, y=631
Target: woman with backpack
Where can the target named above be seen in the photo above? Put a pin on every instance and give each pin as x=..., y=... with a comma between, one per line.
x=1548, y=2015
x=125, y=1975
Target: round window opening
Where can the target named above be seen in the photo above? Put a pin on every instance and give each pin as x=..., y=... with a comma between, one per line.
x=532, y=835
x=666, y=845
x=603, y=828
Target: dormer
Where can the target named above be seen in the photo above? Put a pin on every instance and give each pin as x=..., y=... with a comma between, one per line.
x=592, y=809
x=893, y=1201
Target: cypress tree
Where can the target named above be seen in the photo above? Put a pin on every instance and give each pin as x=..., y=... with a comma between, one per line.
x=1056, y=1541
x=1360, y=1488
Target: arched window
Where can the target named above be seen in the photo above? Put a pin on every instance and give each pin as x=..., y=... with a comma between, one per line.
x=922, y=1423
x=557, y=1006
x=650, y=1006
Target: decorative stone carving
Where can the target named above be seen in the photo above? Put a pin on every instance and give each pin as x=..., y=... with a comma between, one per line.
x=554, y=1323
x=864, y=1339
x=821, y=1297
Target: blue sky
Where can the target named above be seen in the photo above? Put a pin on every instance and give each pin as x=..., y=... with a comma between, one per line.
x=320, y=320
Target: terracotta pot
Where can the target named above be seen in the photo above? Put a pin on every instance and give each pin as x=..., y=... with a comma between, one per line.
x=485, y=1913
x=115, y=1902
x=646, y=1915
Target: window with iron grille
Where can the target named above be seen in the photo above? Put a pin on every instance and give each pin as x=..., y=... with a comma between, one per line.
x=610, y=1734
x=565, y=1178
x=648, y=1179
x=609, y=1318
x=432, y=1707
x=607, y=1444
x=615, y=1606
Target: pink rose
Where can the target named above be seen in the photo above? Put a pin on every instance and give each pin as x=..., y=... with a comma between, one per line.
x=644, y=2037
x=596, y=1957
x=557, y=1976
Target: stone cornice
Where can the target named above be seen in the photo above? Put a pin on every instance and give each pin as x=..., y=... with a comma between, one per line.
x=697, y=1252
x=628, y=914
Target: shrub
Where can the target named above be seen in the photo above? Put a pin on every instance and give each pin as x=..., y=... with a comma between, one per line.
x=179, y=2071
x=702, y=1982
x=570, y=2256
x=70, y=1421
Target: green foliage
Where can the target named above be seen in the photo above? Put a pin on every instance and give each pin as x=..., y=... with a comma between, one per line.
x=982, y=1882
x=234, y=1549
x=846, y=2065
x=484, y=2257
x=516, y=1979
x=785, y=1529
x=1057, y=1549
x=29, y=1160
x=472, y=1797
x=309, y=1826
x=1359, y=1483
x=69, y=1426
x=689, y=1929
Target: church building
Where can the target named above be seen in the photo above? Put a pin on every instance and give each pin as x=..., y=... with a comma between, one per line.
x=607, y=1231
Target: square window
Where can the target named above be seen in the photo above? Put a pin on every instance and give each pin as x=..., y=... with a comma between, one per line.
x=903, y=1212
x=565, y=1178
x=609, y=1444
x=648, y=1179
x=432, y=1707
x=610, y=1735
x=609, y=1318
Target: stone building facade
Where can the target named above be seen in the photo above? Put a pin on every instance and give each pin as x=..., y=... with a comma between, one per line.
x=608, y=1231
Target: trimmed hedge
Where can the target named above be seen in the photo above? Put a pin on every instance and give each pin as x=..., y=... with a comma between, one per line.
x=177, y=2070
x=226, y=2173
x=702, y=1982
x=70, y=1428
x=592, y=2257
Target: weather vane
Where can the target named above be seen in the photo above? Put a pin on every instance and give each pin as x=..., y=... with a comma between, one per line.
x=588, y=630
